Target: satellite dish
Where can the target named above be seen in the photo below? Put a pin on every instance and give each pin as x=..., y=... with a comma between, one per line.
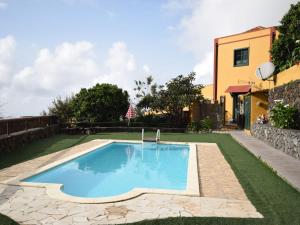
x=265, y=70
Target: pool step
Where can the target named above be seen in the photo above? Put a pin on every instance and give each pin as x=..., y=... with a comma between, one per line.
x=149, y=140
x=156, y=139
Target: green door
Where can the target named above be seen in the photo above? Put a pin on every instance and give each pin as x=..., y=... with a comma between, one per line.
x=247, y=111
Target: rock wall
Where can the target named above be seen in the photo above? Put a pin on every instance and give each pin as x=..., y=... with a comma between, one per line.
x=288, y=93
x=15, y=141
x=287, y=141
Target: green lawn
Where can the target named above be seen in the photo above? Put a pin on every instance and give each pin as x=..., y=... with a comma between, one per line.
x=274, y=198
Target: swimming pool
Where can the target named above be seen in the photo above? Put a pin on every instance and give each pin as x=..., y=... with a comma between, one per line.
x=119, y=167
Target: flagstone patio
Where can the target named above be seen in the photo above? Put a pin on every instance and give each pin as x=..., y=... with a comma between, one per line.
x=221, y=196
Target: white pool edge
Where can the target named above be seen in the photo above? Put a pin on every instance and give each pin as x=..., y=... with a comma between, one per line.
x=54, y=190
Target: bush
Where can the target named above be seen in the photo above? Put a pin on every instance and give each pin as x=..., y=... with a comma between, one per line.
x=284, y=116
x=62, y=108
x=194, y=126
x=202, y=125
x=161, y=120
x=206, y=124
x=152, y=119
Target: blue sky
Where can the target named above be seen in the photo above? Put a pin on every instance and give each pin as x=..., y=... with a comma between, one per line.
x=51, y=48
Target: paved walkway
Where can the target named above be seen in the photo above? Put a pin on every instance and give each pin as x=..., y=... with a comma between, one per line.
x=222, y=196
x=286, y=166
x=217, y=180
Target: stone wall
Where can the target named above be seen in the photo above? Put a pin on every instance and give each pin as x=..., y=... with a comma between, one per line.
x=16, y=140
x=288, y=93
x=287, y=141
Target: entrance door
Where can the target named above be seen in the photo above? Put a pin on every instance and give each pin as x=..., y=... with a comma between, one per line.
x=236, y=107
x=247, y=111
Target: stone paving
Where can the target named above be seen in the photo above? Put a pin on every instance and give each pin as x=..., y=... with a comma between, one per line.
x=286, y=166
x=216, y=177
x=222, y=196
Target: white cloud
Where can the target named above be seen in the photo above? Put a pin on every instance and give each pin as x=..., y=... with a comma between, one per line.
x=119, y=59
x=146, y=69
x=122, y=67
x=7, y=51
x=60, y=72
x=204, y=20
x=3, y=4
x=204, y=69
x=66, y=69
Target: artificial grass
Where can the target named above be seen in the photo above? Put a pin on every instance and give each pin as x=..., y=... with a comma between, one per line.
x=273, y=197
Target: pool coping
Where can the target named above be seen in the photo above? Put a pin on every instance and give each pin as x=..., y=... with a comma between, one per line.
x=54, y=190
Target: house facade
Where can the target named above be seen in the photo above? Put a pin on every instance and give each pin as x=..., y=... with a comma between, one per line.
x=235, y=84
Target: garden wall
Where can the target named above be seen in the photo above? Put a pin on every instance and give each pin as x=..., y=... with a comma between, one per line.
x=93, y=130
x=8, y=126
x=285, y=140
x=16, y=140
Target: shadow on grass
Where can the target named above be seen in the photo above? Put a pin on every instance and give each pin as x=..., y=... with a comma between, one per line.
x=40, y=148
x=60, y=154
x=200, y=221
x=4, y=220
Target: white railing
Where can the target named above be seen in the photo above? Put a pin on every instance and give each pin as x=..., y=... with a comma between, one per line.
x=157, y=136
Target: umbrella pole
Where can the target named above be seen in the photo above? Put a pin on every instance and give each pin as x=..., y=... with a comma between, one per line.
x=128, y=122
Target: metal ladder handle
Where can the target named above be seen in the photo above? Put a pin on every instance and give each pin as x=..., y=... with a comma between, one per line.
x=158, y=135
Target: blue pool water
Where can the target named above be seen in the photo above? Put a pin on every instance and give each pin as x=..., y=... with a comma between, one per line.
x=119, y=167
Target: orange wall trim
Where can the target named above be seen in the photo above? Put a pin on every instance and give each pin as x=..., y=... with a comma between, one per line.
x=244, y=39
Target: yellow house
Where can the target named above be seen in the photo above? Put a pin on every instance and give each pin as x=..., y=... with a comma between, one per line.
x=207, y=92
x=236, y=58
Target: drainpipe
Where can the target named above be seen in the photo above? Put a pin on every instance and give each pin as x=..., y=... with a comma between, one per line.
x=272, y=39
x=215, y=90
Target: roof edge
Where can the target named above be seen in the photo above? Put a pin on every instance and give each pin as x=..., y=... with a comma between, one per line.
x=254, y=29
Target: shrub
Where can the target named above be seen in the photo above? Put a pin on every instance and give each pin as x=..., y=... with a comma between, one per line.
x=206, y=124
x=283, y=116
x=62, y=108
x=194, y=126
x=202, y=125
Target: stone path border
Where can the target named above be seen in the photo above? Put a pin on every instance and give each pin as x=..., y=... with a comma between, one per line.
x=286, y=166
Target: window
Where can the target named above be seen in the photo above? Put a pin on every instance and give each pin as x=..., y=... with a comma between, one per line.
x=241, y=57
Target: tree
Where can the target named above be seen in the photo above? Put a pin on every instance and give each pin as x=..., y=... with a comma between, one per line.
x=146, y=93
x=171, y=98
x=286, y=49
x=62, y=108
x=143, y=88
x=103, y=102
x=178, y=93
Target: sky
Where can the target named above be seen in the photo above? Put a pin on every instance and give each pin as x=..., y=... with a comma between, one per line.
x=51, y=48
